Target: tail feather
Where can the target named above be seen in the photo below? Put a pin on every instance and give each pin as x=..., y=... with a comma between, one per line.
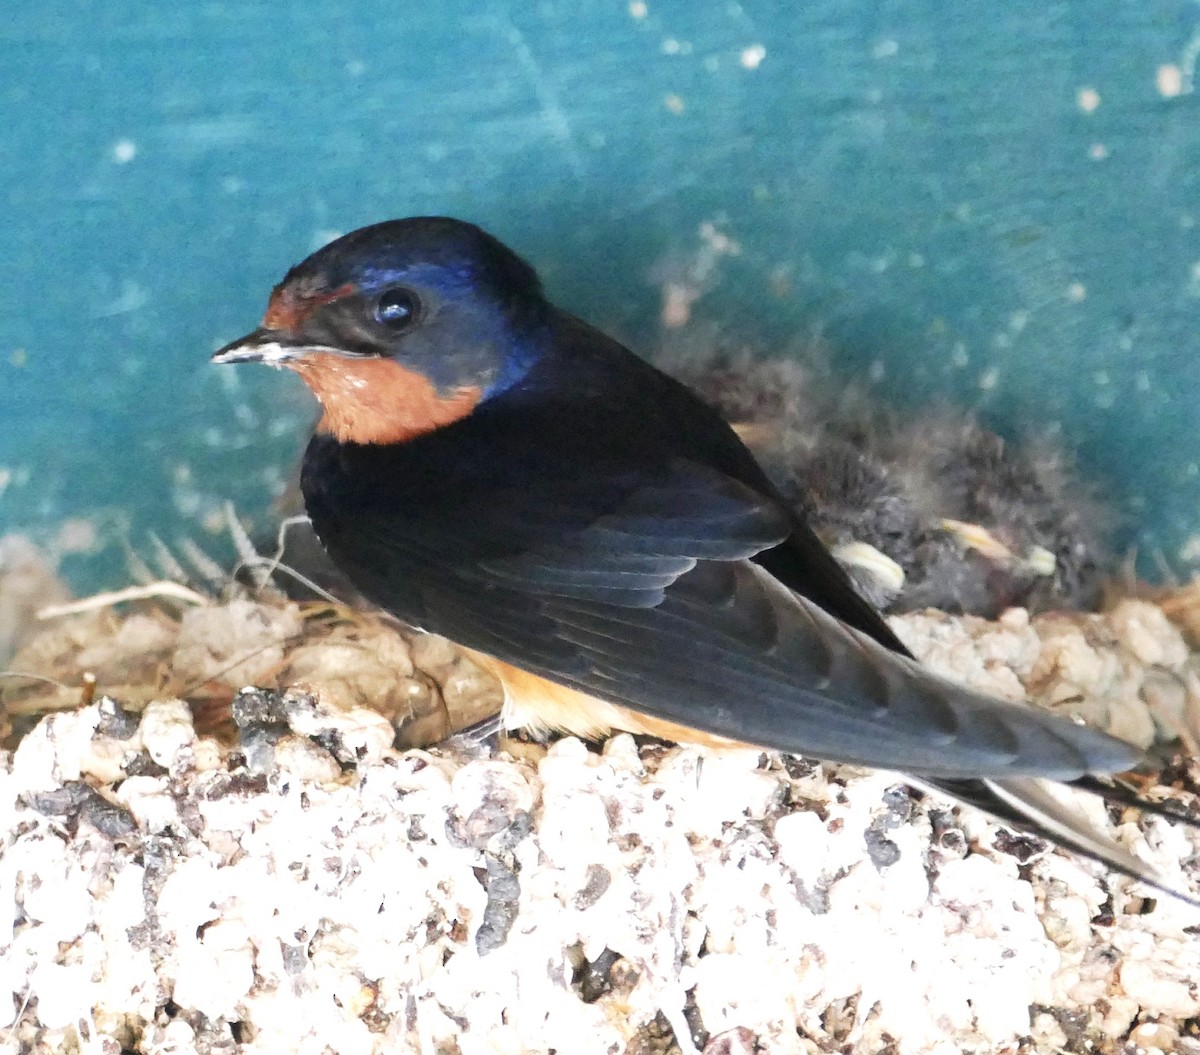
x=1043, y=808
x=1112, y=790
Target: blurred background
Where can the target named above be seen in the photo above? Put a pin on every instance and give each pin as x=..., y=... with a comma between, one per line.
x=990, y=205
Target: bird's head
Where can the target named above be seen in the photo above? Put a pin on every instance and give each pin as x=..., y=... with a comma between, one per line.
x=402, y=327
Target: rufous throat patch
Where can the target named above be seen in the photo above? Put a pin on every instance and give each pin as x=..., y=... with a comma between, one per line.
x=371, y=400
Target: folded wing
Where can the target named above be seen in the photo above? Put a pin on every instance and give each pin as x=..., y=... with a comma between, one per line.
x=635, y=584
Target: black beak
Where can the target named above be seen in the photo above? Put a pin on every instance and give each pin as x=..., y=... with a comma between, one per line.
x=260, y=346
x=276, y=347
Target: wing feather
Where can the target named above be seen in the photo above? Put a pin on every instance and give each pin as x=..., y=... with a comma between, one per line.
x=637, y=585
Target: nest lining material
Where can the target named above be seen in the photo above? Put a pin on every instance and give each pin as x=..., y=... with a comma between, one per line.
x=308, y=887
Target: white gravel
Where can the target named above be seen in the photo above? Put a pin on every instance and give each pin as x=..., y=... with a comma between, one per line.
x=339, y=896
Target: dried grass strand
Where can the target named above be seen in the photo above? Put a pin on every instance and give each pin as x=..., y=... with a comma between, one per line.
x=162, y=589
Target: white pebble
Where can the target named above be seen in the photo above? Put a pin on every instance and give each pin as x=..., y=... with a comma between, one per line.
x=167, y=731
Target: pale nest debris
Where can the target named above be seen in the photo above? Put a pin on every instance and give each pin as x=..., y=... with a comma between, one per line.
x=311, y=888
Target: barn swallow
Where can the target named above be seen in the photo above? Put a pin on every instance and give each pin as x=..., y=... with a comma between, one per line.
x=493, y=469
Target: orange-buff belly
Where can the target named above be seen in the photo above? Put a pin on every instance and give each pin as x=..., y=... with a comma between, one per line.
x=532, y=702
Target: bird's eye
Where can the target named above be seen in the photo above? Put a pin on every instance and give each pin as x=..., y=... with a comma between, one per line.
x=396, y=309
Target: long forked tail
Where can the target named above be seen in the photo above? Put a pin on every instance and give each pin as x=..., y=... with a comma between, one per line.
x=1044, y=808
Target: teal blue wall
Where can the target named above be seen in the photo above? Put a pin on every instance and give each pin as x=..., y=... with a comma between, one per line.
x=929, y=185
